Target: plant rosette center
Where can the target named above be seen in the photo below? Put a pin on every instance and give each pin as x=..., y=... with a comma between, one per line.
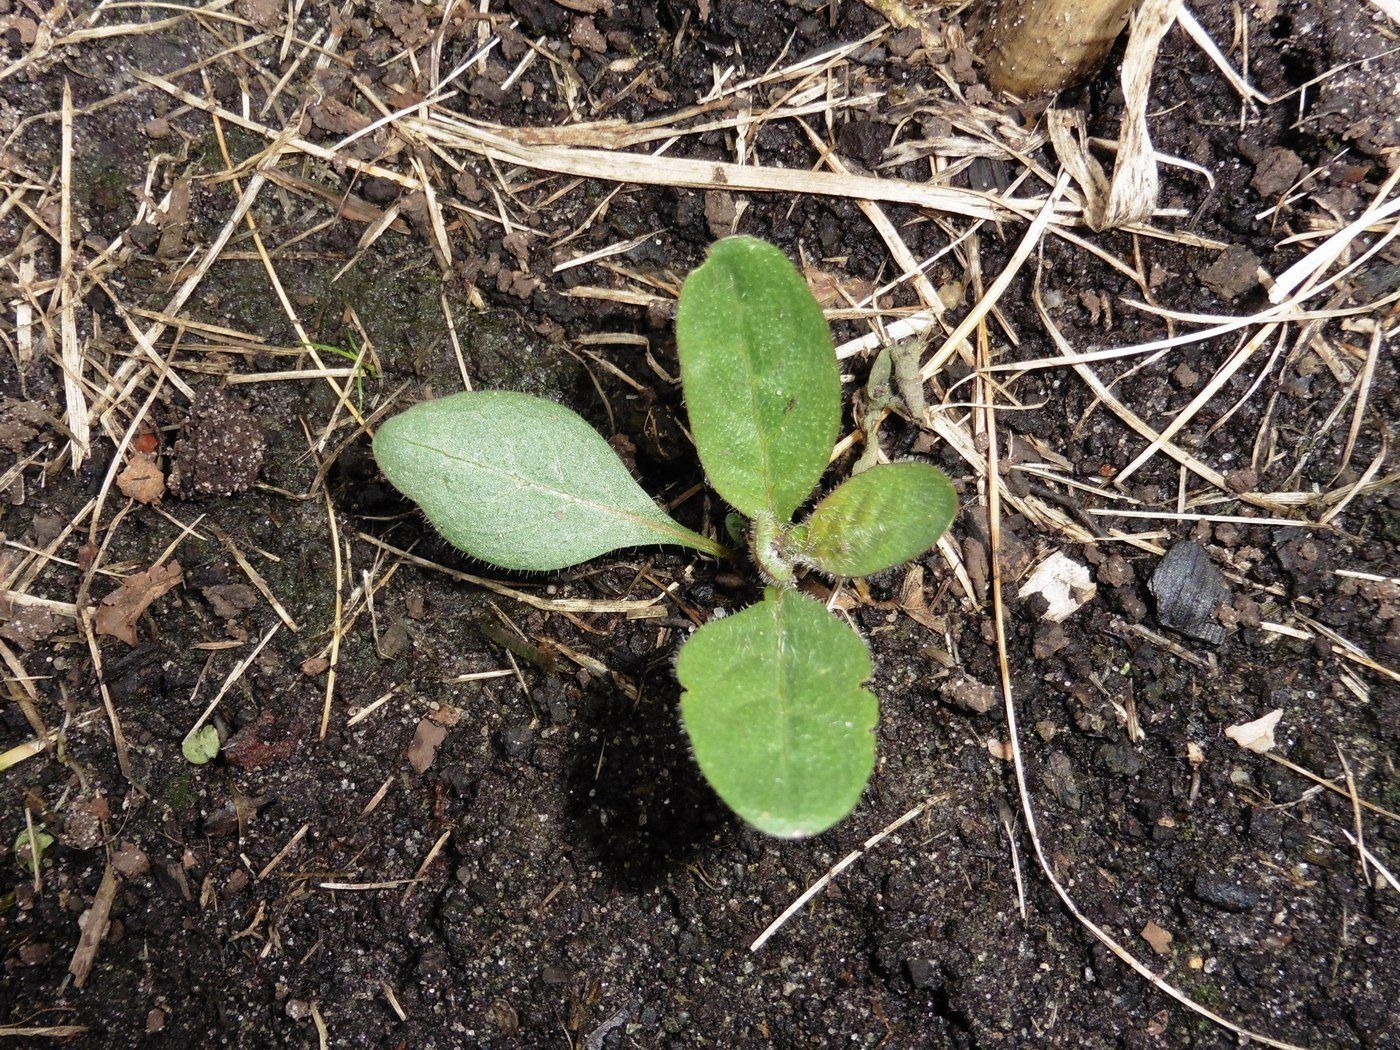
x=772, y=552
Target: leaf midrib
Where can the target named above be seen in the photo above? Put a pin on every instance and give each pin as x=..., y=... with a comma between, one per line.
x=765, y=462
x=657, y=524
x=781, y=691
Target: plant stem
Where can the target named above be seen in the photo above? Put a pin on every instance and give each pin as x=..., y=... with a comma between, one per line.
x=768, y=550
x=705, y=544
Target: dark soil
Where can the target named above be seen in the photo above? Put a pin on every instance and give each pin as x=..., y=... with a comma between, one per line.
x=592, y=890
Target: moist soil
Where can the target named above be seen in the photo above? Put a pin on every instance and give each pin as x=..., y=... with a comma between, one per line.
x=591, y=890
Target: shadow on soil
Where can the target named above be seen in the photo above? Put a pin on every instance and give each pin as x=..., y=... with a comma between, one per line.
x=647, y=811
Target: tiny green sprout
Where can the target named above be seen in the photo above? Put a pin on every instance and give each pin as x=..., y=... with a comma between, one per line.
x=355, y=356
x=29, y=849
x=773, y=697
x=201, y=747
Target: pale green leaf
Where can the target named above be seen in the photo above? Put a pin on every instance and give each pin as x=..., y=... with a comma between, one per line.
x=761, y=382
x=881, y=517
x=29, y=853
x=520, y=482
x=201, y=747
x=776, y=714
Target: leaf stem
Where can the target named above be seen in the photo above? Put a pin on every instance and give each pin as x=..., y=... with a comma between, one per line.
x=768, y=550
x=708, y=546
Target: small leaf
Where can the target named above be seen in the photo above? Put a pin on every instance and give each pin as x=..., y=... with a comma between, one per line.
x=521, y=482
x=201, y=747
x=884, y=516
x=776, y=714
x=761, y=383
x=28, y=854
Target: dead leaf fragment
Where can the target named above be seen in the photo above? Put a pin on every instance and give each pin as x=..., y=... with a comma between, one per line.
x=131, y=860
x=174, y=220
x=1256, y=736
x=94, y=926
x=446, y=715
x=265, y=14
x=119, y=611
x=249, y=749
x=427, y=738
x=832, y=290
x=231, y=600
x=234, y=816
x=142, y=480
x=1159, y=939
x=25, y=28
x=27, y=625
x=969, y=695
x=20, y=423
x=338, y=118
x=914, y=602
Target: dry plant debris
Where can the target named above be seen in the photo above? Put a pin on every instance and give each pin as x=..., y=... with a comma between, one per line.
x=1158, y=938
x=142, y=479
x=1062, y=583
x=427, y=738
x=1258, y=735
x=118, y=612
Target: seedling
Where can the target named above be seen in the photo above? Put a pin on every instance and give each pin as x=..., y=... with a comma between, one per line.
x=773, y=698
x=356, y=358
x=30, y=845
x=201, y=747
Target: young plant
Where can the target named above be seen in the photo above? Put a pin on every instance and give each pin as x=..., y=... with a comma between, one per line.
x=773, y=698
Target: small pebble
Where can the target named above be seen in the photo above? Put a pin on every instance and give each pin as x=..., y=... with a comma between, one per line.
x=1224, y=893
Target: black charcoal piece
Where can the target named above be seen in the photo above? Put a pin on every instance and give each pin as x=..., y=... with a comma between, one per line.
x=1188, y=587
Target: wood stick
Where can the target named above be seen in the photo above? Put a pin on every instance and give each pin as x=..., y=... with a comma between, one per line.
x=1033, y=46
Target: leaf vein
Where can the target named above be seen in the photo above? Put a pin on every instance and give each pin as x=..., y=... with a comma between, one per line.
x=751, y=388
x=656, y=524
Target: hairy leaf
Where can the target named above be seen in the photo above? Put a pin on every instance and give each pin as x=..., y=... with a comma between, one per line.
x=884, y=516
x=776, y=714
x=761, y=383
x=520, y=482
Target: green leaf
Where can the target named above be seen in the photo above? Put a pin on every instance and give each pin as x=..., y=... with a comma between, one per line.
x=884, y=516
x=521, y=482
x=761, y=383
x=201, y=747
x=29, y=854
x=776, y=714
